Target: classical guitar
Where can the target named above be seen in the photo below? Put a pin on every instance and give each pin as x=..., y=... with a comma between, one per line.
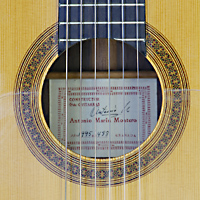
x=129, y=116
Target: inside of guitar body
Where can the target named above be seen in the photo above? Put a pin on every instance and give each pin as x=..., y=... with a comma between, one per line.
x=117, y=69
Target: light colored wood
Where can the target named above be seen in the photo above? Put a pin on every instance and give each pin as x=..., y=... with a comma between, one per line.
x=22, y=177
x=178, y=177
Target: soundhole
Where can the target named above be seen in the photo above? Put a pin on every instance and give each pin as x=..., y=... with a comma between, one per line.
x=105, y=117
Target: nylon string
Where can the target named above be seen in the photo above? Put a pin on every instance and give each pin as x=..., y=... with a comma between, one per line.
x=95, y=83
x=95, y=65
x=66, y=97
x=124, y=161
x=137, y=47
x=80, y=111
x=109, y=98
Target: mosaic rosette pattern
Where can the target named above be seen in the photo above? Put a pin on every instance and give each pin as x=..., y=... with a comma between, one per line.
x=45, y=147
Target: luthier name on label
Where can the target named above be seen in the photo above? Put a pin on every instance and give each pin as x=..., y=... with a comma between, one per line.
x=99, y=120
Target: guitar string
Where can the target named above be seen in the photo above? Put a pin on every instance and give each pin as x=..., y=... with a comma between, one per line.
x=66, y=97
x=80, y=111
x=137, y=48
x=124, y=160
x=95, y=87
x=109, y=98
x=95, y=83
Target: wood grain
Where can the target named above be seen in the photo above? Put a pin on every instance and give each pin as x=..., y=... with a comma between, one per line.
x=23, y=177
x=178, y=177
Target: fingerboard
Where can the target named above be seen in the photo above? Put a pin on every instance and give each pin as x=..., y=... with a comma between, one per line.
x=87, y=21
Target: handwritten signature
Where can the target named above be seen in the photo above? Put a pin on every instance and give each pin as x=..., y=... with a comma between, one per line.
x=112, y=112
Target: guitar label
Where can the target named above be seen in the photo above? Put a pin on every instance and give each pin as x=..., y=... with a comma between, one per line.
x=119, y=117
